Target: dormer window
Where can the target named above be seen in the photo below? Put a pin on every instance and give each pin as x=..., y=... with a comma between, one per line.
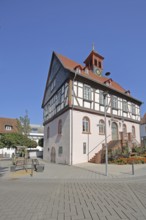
x=8, y=127
x=127, y=92
x=86, y=70
x=78, y=69
x=108, y=82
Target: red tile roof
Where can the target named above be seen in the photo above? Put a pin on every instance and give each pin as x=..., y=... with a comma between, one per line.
x=8, y=122
x=70, y=64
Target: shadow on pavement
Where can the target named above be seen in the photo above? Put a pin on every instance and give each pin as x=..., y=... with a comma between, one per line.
x=3, y=170
x=90, y=170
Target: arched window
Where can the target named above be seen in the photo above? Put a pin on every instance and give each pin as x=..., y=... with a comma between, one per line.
x=124, y=130
x=114, y=131
x=133, y=132
x=60, y=127
x=48, y=132
x=86, y=125
x=101, y=127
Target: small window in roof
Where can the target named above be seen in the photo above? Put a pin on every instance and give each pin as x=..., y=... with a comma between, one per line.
x=8, y=127
x=95, y=62
x=99, y=64
x=86, y=70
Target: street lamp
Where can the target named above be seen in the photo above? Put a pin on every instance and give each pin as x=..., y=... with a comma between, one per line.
x=105, y=93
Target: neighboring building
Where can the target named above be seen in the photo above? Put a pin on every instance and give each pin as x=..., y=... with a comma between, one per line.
x=8, y=125
x=143, y=130
x=37, y=132
x=74, y=111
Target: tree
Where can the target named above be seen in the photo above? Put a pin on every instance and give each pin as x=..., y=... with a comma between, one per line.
x=24, y=124
x=13, y=140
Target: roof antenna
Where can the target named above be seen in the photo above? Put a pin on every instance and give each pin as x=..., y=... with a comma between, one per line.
x=93, y=46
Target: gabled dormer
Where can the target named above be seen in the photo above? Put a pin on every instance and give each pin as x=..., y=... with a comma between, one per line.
x=95, y=62
x=78, y=69
x=108, y=82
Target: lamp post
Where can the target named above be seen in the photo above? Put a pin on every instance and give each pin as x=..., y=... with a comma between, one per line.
x=105, y=93
x=105, y=132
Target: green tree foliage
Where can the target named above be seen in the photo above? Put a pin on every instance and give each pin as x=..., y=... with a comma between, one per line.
x=41, y=142
x=24, y=124
x=14, y=140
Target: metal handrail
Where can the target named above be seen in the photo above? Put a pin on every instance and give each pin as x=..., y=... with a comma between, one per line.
x=98, y=144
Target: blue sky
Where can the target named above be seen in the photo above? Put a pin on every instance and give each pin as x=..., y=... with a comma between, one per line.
x=30, y=30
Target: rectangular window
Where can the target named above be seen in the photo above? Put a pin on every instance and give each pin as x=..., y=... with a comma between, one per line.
x=95, y=62
x=87, y=92
x=133, y=109
x=84, y=148
x=101, y=128
x=125, y=106
x=99, y=64
x=8, y=127
x=115, y=102
x=58, y=97
x=101, y=98
x=60, y=151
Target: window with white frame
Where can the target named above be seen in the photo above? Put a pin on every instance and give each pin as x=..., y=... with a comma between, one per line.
x=86, y=125
x=84, y=148
x=8, y=127
x=133, y=132
x=125, y=106
x=60, y=127
x=87, y=92
x=115, y=102
x=101, y=98
x=133, y=109
x=101, y=127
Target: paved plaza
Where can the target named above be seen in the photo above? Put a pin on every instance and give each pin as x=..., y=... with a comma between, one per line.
x=80, y=192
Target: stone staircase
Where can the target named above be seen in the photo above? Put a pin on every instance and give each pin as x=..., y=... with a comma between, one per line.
x=100, y=156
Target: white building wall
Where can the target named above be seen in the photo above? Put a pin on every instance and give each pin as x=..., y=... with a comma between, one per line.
x=94, y=140
x=56, y=140
x=7, y=152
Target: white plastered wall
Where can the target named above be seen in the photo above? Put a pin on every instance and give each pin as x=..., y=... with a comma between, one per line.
x=56, y=140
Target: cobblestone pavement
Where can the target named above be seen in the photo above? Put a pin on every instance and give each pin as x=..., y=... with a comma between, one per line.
x=73, y=197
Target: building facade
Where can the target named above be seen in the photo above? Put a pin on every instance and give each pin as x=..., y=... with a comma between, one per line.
x=143, y=130
x=10, y=125
x=36, y=133
x=79, y=102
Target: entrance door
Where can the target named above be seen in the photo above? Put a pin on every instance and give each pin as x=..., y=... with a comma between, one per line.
x=114, y=131
x=53, y=155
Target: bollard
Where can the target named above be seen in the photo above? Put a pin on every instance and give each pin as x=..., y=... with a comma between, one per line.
x=32, y=167
x=132, y=167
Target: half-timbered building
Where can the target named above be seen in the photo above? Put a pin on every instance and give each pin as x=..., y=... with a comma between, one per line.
x=75, y=102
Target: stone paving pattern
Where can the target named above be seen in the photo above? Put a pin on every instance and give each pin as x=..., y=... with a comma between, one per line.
x=82, y=192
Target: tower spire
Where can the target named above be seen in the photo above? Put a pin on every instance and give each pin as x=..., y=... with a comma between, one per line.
x=93, y=46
